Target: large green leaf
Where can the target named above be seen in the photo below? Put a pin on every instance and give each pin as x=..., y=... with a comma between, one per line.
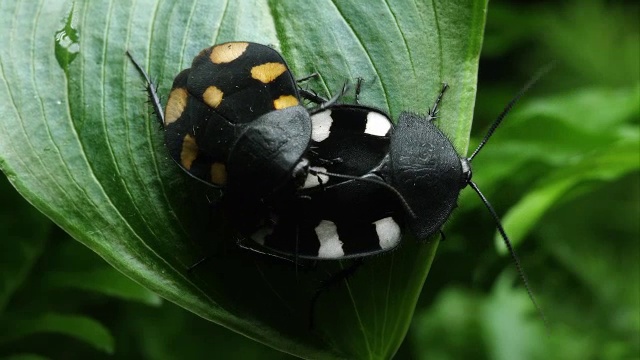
x=595, y=141
x=76, y=140
x=621, y=158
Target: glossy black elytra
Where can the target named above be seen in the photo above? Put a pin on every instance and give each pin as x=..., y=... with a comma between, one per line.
x=337, y=218
x=234, y=120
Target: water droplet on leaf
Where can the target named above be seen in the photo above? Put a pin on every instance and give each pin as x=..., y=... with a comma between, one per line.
x=67, y=46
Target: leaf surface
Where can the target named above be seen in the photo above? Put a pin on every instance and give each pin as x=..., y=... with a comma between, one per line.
x=77, y=140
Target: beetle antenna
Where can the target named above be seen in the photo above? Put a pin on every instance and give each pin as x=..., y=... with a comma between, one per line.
x=512, y=252
x=510, y=105
x=151, y=89
x=404, y=202
x=334, y=99
x=312, y=96
x=432, y=114
x=310, y=76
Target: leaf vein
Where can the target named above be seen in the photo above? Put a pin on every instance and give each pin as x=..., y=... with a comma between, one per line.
x=402, y=34
x=214, y=39
x=366, y=51
x=92, y=174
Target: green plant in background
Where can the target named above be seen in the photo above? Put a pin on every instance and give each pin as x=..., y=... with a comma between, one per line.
x=569, y=152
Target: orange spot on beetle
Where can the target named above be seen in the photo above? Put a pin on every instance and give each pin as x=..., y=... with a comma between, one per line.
x=175, y=105
x=212, y=96
x=228, y=52
x=218, y=173
x=267, y=72
x=189, y=151
x=285, y=101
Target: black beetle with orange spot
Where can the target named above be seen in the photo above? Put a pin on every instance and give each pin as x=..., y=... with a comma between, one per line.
x=234, y=120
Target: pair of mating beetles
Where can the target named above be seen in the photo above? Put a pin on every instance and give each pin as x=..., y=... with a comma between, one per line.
x=332, y=182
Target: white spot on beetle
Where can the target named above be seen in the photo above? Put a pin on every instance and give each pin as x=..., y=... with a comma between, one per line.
x=261, y=234
x=321, y=126
x=377, y=124
x=313, y=180
x=330, y=244
x=388, y=233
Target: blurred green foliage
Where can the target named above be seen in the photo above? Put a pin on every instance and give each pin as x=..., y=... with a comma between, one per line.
x=563, y=169
x=569, y=152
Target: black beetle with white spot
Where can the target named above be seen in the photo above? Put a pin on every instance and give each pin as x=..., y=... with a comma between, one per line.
x=369, y=180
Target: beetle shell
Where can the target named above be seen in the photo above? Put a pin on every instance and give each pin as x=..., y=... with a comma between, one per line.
x=426, y=169
x=337, y=218
x=215, y=105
